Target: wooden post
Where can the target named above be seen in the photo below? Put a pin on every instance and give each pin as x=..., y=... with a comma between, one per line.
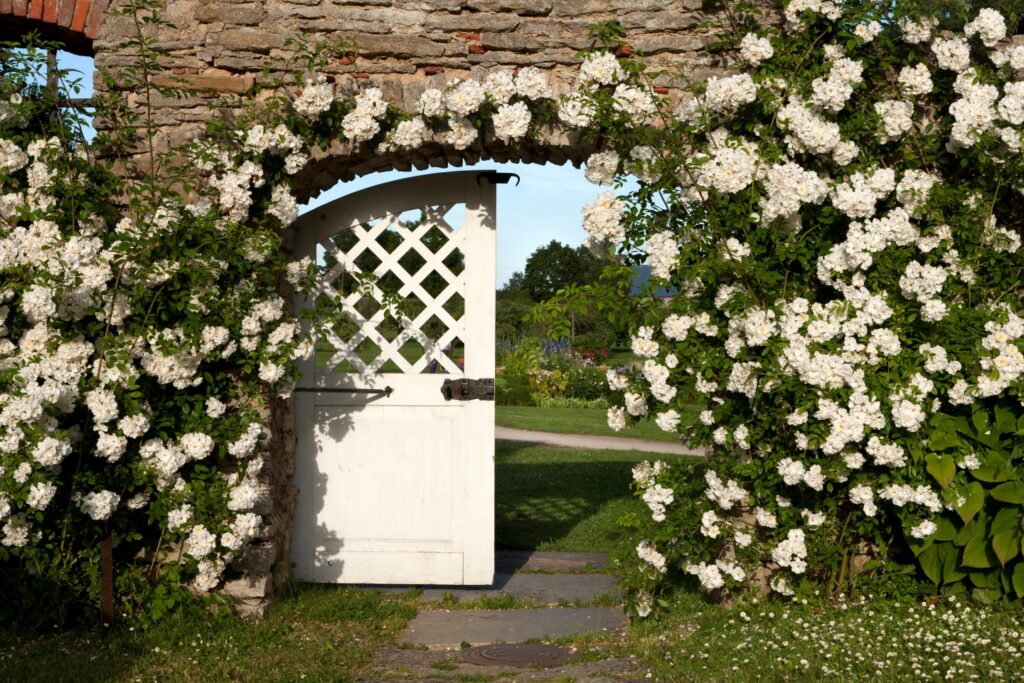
x=107, y=579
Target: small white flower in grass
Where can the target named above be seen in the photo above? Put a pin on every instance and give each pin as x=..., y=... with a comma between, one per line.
x=636, y=405
x=617, y=418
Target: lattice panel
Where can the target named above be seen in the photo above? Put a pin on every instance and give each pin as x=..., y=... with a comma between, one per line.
x=422, y=259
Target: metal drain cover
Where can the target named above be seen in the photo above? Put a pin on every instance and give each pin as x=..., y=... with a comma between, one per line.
x=525, y=655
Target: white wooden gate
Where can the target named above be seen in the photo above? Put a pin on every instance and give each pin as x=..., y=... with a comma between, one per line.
x=398, y=488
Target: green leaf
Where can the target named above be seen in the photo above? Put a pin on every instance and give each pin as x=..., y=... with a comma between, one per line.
x=978, y=554
x=1006, y=546
x=945, y=531
x=931, y=564
x=949, y=556
x=980, y=421
x=1010, y=492
x=943, y=439
x=1006, y=421
x=1006, y=520
x=974, y=497
x=941, y=467
x=1018, y=578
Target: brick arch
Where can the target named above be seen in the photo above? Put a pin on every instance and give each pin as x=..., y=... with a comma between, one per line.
x=75, y=23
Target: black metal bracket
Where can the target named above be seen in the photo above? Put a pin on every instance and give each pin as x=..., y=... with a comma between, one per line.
x=386, y=391
x=468, y=389
x=497, y=178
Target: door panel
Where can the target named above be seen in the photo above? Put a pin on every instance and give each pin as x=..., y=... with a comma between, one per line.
x=398, y=488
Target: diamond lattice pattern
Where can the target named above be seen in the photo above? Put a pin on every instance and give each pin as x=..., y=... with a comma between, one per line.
x=422, y=259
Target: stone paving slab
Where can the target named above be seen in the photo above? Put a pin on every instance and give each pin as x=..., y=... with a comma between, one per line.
x=593, y=442
x=511, y=561
x=427, y=666
x=546, y=588
x=450, y=628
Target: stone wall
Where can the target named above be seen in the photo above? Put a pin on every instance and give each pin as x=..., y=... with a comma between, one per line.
x=220, y=50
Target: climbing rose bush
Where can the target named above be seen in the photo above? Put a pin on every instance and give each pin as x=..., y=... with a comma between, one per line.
x=840, y=216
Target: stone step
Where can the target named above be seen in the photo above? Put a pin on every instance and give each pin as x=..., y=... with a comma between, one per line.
x=403, y=664
x=512, y=561
x=449, y=629
x=549, y=589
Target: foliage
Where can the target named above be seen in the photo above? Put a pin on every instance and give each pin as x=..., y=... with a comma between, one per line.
x=841, y=220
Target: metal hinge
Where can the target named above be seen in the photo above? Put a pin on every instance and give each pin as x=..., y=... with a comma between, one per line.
x=468, y=389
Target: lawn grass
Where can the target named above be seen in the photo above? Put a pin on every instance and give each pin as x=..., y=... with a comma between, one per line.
x=581, y=421
x=563, y=498
x=314, y=633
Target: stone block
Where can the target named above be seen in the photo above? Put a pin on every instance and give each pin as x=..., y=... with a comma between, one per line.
x=389, y=16
x=250, y=39
x=211, y=79
x=661, y=21
x=248, y=587
x=670, y=42
x=250, y=14
x=395, y=46
x=515, y=42
x=471, y=22
x=522, y=7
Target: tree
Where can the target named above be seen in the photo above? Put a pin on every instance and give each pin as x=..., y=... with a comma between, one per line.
x=556, y=266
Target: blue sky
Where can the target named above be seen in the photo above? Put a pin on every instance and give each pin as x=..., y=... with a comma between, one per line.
x=544, y=206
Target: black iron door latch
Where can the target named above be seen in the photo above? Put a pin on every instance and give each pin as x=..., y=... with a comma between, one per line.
x=468, y=389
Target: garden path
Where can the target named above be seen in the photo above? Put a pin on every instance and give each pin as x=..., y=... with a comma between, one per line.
x=592, y=442
x=547, y=596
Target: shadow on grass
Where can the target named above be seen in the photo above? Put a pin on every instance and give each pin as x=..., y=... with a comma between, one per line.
x=562, y=499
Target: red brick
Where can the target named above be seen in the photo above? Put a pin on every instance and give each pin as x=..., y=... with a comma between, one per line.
x=65, y=11
x=95, y=20
x=6, y=7
x=468, y=36
x=476, y=49
x=660, y=89
x=35, y=9
x=431, y=70
x=81, y=11
x=20, y=8
x=360, y=74
x=344, y=61
x=624, y=51
x=50, y=11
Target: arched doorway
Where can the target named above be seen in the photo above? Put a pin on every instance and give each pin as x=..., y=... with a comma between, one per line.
x=394, y=423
